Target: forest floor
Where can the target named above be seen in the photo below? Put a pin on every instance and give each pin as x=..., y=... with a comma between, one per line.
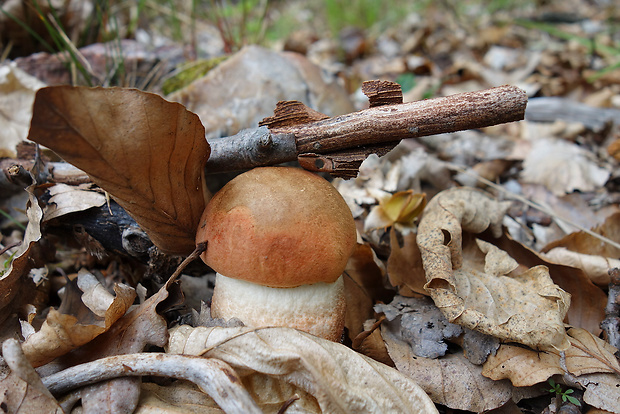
x=485, y=276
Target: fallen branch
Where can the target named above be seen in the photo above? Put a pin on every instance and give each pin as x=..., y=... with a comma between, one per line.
x=338, y=145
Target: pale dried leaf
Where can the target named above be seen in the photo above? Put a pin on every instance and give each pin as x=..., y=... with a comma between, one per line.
x=602, y=391
x=182, y=397
x=588, y=253
x=65, y=199
x=587, y=307
x=586, y=355
x=17, y=90
x=596, y=267
x=523, y=366
x=179, y=397
x=75, y=324
x=562, y=167
x=481, y=287
x=22, y=390
x=590, y=354
x=148, y=153
x=340, y=379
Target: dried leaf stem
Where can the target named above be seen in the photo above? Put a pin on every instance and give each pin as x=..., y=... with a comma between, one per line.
x=213, y=376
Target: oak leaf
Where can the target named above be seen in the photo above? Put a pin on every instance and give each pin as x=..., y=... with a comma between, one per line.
x=523, y=366
x=587, y=307
x=479, y=286
x=146, y=152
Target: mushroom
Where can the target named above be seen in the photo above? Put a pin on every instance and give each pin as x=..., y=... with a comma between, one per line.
x=279, y=239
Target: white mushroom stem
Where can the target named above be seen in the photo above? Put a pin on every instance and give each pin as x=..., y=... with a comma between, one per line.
x=318, y=308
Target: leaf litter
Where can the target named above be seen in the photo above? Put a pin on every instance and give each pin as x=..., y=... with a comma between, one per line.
x=474, y=300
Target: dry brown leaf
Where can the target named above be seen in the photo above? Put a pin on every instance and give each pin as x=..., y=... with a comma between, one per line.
x=340, y=379
x=481, y=287
x=363, y=287
x=130, y=334
x=589, y=354
x=587, y=307
x=523, y=366
x=562, y=167
x=21, y=390
x=81, y=317
x=66, y=199
x=17, y=90
x=452, y=381
x=588, y=253
x=404, y=266
x=148, y=153
x=16, y=287
x=370, y=342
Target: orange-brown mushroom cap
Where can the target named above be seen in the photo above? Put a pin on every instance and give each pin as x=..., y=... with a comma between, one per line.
x=278, y=227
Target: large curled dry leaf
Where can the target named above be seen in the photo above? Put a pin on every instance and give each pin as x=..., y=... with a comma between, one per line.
x=146, y=152
x=283, y=362
x=479, y=286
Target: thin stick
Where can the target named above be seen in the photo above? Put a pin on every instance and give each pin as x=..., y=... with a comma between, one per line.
x=200, y=248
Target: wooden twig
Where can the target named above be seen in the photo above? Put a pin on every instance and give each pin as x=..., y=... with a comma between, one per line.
x=388, y=123
x=338, y=145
